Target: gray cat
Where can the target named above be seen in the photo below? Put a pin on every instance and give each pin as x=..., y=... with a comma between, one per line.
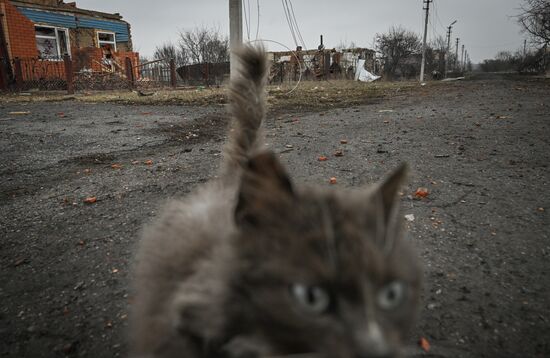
x=252, y=265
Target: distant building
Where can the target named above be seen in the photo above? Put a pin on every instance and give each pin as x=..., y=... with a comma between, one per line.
x=323, y=63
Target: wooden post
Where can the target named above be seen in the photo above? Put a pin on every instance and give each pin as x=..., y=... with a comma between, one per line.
x=173, y=74
x=69, y=74
x=129, y=72
x=3, y=74
x=235, y=32
x=18, y=74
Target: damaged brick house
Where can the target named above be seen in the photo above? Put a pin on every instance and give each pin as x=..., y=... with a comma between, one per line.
x=321, y=63
x=41, y=32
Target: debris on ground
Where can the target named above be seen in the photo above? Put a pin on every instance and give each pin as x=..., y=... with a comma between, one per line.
x=421, y=192
x=332, y=180
x=90, y=200
x=322, y=158
x=424, y=344
x=19, y=113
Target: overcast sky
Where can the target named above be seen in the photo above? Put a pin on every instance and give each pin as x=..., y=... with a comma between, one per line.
x=484, y=26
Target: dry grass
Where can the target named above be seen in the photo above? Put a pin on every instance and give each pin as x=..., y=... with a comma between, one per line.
x=313, y=95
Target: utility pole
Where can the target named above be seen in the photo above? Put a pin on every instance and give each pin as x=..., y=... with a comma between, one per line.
x=423, y=65
x=466, y=61
x=462, y=58
x=448, y=52
x=235, y=32
x=456, y=53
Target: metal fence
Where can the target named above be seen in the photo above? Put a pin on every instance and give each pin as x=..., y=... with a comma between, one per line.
x=207, y=74
x=156, y=74
x=68, y=74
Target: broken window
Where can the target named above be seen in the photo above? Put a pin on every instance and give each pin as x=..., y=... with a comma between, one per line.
x=106, y=40
x=52, y=42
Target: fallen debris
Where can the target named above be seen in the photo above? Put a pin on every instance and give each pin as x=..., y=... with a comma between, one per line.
x=19, y=113
x=424, y=344
x=333, y=180
x=421, y=192
x=90, y=200
x=20, y=261
x=322, y=158
x=409, y=217
x=453, y=79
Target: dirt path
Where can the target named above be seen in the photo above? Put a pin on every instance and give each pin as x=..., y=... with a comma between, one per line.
x=480, y=147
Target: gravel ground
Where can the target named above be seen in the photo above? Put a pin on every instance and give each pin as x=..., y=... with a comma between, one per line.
x=481, y=148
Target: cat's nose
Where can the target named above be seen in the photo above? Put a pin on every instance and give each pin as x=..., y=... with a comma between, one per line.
x=372, y=343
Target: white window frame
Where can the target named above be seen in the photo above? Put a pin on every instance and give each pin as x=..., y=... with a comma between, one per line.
x=101, y=42
x=57, y=42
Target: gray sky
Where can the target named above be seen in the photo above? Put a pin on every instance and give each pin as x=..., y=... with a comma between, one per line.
x=484, y=26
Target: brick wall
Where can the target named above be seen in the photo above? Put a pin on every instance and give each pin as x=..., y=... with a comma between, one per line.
x=91, y=58
x=20, y=33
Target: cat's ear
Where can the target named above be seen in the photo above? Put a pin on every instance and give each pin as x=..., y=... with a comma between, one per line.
x=389, y=188
x=265, y=190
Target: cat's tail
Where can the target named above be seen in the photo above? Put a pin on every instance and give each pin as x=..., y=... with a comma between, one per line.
x=247, y=107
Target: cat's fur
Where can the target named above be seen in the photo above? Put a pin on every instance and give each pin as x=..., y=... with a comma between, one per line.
x=251, y=265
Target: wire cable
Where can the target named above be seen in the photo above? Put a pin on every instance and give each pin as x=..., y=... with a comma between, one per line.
x=287, y=15
x=293, y=54
x=296, y=24
x=258, y=23
x=246, y=21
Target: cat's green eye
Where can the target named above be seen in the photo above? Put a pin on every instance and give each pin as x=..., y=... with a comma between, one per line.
x=391, y=295
x=311, y=298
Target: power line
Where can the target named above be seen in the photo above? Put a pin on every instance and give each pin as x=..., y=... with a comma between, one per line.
x=246, y=20
x=258, y=23
x=287, y=15
x=436, y=10
x=249, y=17
x=297, y=27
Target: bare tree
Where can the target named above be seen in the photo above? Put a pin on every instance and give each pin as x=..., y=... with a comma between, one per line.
x=535, y=20
x=439, y=44
x=168, y=51
x=395, y=46
x=204, y=45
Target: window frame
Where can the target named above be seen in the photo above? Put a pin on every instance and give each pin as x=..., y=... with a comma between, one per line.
x=57, y=42
x=100, y=42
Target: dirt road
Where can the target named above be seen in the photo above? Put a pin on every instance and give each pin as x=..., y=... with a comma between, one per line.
x=481, y=148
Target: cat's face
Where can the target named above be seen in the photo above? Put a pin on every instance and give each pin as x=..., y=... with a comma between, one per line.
x=323, y=272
